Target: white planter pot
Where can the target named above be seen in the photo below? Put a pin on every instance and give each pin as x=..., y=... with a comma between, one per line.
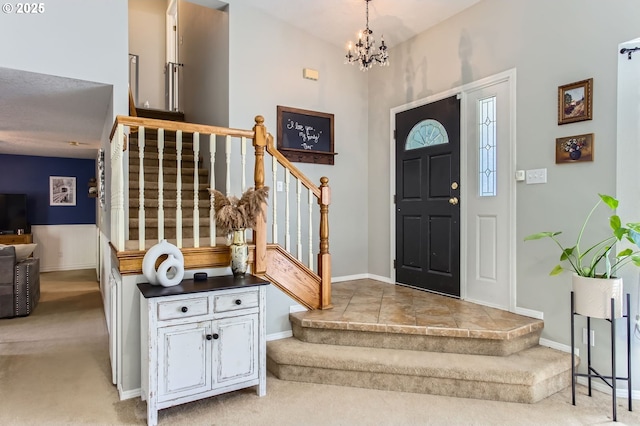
x=592, y=296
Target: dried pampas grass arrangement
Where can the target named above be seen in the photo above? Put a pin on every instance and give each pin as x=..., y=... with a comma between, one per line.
x=233, y=213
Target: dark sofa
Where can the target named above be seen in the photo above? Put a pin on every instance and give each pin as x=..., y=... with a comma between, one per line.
x=19, y=284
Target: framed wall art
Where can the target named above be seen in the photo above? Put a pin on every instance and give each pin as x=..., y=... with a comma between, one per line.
x=572, y=149
x=305, y=136
x=575, y=101
x=62, y=191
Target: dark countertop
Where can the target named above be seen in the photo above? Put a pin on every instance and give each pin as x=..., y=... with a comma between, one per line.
x=225, y=282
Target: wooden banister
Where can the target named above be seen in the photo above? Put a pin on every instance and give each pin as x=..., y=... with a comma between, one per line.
x=260, y=229
x=152, y=123
x=271, y=149
x=324, y=257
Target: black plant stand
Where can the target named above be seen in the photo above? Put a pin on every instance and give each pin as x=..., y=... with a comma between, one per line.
x=591, y=372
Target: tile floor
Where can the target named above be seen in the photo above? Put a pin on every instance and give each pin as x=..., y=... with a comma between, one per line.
x=376, y=306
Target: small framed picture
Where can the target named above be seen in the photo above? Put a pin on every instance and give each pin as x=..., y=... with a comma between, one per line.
x=575, y=101
x=574, y=148
x=62, y=191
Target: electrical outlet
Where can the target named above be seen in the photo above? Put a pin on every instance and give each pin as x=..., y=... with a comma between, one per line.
x=584, y=337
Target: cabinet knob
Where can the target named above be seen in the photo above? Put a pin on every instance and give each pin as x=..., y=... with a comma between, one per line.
x=215, y=336
x=184, y=309
x=209, y=337
x=238, y=302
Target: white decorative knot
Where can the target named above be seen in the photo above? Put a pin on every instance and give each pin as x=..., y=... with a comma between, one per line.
x=171, y=270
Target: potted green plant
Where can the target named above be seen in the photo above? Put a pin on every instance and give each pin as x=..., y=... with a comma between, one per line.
x=594, y=267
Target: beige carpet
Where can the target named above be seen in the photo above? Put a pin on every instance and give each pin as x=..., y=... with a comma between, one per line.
x=54, y=370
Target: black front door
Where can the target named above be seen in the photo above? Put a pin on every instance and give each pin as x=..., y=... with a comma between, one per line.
x=427, y=197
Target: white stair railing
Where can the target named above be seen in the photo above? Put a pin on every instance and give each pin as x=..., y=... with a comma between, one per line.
x=302, y=226
x=204, y=140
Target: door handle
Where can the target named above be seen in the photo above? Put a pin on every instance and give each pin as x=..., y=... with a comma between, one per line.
x=453, y=201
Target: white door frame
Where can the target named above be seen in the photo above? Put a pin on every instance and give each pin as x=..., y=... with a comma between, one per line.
x=506, y=76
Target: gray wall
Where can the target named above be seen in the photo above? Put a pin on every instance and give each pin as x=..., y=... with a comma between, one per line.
x=204, y=51
x=266, y=71
x=550, y=43
x=147, y=39
x=266, y=61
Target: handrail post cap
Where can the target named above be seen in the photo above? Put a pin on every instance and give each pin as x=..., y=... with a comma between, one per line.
x=259, y=120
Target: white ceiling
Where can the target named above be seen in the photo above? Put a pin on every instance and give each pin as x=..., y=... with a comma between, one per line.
x=338, y=21
x=41, y=114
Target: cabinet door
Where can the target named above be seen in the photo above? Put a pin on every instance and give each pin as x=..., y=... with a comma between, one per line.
x=184, y=355
x=235, y=350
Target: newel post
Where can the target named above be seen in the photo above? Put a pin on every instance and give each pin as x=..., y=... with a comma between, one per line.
x=324, y=257
x=260, y=230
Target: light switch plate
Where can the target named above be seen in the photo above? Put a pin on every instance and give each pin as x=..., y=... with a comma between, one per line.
x=536, y=176
x=279, y=186
x=519, y=175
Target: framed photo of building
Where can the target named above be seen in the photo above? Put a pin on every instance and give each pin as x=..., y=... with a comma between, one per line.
x=575, y=102
x=62, y=191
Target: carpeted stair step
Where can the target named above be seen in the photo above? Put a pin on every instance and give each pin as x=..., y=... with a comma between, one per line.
x=169, y=232
x=171, y=170
x=152, y=203
x=526, y=377
x=187, y=187
x=523, y=333
x=169, y=213
x=151, y=141
x=169, y=160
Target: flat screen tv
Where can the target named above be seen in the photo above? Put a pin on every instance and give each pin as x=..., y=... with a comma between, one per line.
x=13, y=213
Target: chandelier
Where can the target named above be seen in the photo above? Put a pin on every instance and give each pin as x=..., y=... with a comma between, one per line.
x=365, y=52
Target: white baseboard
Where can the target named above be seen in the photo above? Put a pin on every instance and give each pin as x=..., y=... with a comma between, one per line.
x=67, y=267
x=596, y=384
x=280, y=335
x=297, y=308
x=529, y=313
x=362, y=277
x=558, y=346
x=349, y=278
x=387, y=280
x=135, y=393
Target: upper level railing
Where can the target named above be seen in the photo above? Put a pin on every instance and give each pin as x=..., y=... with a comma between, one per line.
x=292, y=220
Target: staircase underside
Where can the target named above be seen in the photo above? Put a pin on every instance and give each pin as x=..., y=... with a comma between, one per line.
x=388, y=337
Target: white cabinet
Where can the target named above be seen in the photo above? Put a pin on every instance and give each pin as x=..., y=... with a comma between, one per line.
x=200, y=339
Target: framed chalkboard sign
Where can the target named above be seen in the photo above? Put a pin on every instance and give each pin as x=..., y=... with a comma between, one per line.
x=305, y=136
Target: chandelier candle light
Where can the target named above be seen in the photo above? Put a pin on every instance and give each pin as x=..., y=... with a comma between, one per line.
x=365, y=49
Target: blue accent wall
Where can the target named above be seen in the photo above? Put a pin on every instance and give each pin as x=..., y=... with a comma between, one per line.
x=23, y=174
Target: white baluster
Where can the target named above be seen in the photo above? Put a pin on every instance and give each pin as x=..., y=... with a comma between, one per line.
x=212, y=184
x=287, y=235
x=227, y=153
x=141, y=214
x=179, y=188
x=160, y=185
x=299, y=230
x=243, y=160
x=310, y=229
x=274, y=197
x=117, y=189
x=196, y=185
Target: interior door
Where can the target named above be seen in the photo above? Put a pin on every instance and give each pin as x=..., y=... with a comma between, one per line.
x=428, y=197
